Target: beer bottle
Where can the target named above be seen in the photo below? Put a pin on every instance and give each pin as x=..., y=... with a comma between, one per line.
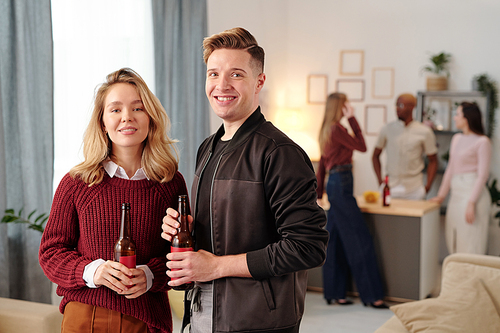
x=182, y=241
x=125, y=247
x=386, y=194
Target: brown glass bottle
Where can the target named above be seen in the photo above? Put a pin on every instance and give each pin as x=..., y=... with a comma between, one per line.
x=182, y=241
x=386, y=194
x=125, y=252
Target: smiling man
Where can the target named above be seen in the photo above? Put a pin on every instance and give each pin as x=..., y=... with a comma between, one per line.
x=257, y=225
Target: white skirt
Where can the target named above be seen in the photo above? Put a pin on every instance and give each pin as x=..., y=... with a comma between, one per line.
x=461, y=236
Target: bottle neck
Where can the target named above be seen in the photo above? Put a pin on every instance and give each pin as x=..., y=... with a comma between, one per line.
x=182, y=219
x=125, y=230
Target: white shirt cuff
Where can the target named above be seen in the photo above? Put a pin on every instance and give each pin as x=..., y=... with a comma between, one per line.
x=89, y=271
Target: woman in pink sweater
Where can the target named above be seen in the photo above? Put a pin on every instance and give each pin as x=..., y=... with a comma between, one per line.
x=467, y=213
x=128, y=159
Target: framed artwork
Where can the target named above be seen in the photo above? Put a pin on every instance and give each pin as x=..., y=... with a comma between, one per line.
x=317, y=88
x=383, y=82
x=375, y=118
x=352, y=62
x=353, y=88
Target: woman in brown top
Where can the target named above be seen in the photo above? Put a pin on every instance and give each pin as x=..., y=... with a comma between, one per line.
x=350, y=247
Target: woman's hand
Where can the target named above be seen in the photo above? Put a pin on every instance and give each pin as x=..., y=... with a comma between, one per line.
x=470, y=212
x=348, y=110
x=170, y=224
x=131, y=282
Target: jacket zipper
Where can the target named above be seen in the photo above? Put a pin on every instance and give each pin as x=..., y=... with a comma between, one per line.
x=212, y=235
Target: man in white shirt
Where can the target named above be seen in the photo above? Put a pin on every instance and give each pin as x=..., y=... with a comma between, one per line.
x=406, y=141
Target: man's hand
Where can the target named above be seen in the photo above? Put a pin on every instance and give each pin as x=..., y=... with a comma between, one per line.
x=438, y=200
x=170, y=224
x=192, y=266
x=203, y=266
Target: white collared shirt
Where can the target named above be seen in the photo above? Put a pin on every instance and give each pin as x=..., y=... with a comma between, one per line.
x=114, y=170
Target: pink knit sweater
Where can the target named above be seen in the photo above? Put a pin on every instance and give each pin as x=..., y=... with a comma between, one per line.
x=84, y=225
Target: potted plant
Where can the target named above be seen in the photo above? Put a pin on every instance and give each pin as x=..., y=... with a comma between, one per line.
x=494, y=227
x=489, y=88
x=37, y=224
x=438, y=71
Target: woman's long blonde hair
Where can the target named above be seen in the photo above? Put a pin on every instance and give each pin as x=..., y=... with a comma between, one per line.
x=159, y=155
x=333, y=114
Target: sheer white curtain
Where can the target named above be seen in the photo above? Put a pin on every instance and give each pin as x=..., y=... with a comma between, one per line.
x=93, y=38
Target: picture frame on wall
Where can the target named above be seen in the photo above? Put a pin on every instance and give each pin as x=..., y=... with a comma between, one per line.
x=352, y=62
x=375, y=118
x=353, y=88
x=383, y=82
x=317, y=88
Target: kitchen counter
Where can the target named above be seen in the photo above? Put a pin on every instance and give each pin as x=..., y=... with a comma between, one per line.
x=406, y=239
x=401, y=207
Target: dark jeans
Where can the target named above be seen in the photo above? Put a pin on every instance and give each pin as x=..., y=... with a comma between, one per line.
x=350, y=246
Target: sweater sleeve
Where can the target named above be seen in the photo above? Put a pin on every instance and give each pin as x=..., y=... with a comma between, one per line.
x=157, y=265
x=483, y=167
x=355, y=143
x=58, y=257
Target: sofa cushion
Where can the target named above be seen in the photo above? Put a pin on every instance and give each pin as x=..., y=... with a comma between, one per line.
x=468, y=309
x=23, y=316
x=456, y=273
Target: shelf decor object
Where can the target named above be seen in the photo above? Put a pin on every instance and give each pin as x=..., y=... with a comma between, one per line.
x=437, y=78
x=317, y=88
x=352, y=62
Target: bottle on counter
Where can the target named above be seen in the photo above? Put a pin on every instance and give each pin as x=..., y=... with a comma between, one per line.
x=182, y=241
x=386, y=193
x=125, y=251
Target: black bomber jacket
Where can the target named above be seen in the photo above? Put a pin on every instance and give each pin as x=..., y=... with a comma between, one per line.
x=263, y=204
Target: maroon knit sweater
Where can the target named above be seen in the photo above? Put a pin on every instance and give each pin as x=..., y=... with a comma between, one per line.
x=84, y=225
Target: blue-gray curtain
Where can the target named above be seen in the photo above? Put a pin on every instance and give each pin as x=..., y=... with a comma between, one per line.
x=179, y=28
x=26, y=141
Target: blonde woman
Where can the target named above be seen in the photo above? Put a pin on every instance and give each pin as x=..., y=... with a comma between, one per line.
x=128, y=158
x=467, y=214
x=350, y=247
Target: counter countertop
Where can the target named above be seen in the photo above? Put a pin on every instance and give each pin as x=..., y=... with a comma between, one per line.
x=399, y=207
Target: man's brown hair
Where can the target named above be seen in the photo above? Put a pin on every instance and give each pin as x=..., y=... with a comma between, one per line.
x=236, y=39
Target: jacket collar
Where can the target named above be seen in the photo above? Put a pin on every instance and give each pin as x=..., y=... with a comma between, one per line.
x=248, y=127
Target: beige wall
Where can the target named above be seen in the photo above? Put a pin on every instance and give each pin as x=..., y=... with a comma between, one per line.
x=306, y=37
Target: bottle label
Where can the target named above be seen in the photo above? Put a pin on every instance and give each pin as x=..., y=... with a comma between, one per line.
x=179, y=249
x=128, y=261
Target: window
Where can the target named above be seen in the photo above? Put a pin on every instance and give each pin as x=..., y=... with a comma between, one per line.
x=93, y=38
